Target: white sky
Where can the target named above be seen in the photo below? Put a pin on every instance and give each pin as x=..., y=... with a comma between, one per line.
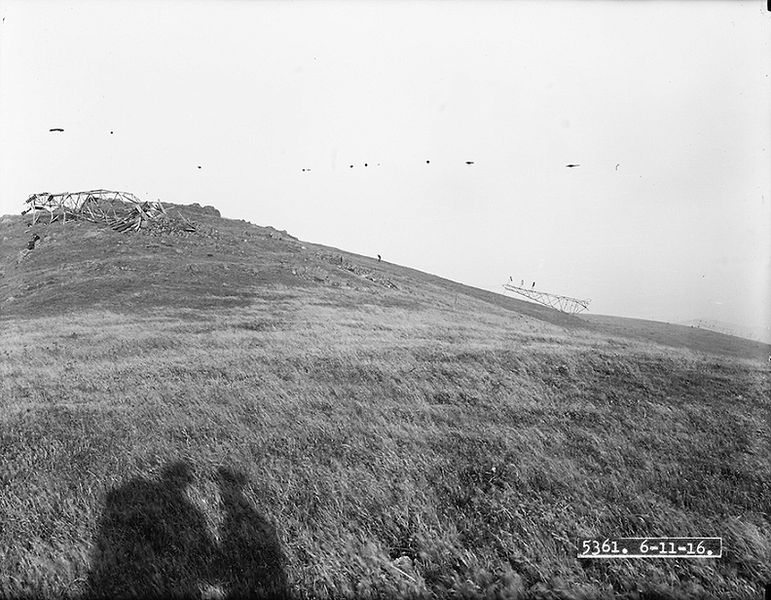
x=677, y=94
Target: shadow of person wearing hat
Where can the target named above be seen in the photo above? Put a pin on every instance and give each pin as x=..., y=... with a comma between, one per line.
x=250, y=562
x=152, y=541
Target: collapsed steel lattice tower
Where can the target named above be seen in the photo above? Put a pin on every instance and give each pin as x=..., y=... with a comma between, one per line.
x=565, y=304
x=120, y=210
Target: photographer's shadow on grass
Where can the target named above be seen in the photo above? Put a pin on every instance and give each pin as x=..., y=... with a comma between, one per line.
x=251, y=563
x=153, y=542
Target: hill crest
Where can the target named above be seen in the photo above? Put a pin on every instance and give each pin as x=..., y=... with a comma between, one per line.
x=223, y=263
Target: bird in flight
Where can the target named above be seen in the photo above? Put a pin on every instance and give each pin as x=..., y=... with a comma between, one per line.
x=469, y=162
x=570, y=166
x=56, y=129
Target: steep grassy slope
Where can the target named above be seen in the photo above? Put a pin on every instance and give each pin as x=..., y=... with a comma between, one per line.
x=236, y=411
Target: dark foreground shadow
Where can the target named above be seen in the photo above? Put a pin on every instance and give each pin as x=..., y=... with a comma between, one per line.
x=153, y=542
x=250, y=560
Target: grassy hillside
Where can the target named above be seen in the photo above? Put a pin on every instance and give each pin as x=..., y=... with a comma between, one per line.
x=235, y=412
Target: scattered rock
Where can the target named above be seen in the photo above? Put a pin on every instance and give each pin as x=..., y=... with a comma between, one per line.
x=209, y=210
x=170, y=224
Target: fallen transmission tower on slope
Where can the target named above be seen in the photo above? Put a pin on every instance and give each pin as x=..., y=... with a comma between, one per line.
x=122, y=211
x=565, y=304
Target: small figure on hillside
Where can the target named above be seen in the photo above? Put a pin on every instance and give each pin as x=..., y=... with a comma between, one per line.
x=379, y=258
x=522, y=283
x=532, y=286
x=510, y=279
x=32, y=242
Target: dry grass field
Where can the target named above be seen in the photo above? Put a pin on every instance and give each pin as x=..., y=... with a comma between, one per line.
x=237, y=413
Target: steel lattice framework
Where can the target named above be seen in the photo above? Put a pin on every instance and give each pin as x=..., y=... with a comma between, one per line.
x=565, y=304
x=120, y=210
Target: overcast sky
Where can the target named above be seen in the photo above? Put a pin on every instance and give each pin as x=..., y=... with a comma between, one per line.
x=664, y=105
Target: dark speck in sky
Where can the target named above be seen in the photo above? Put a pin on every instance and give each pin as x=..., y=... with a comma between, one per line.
x=469, y=162
x=111, y=133
x=570, y=166
x=428, y=162
x=199, y=166
x=351, y=166
x=365, y=164
x=56, y=129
